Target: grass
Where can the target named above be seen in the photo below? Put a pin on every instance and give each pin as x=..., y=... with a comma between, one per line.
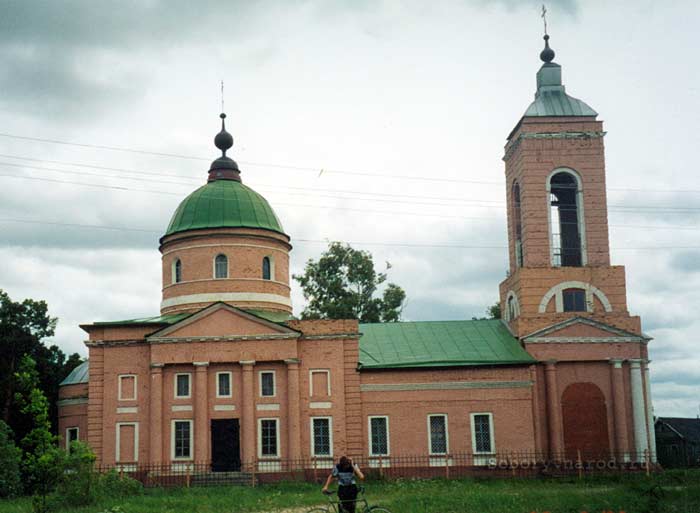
x=670, y=492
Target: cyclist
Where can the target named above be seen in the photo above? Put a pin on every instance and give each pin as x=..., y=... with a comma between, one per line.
x=346, y=472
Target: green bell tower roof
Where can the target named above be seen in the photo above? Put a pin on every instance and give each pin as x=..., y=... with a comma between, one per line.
x=224, y=202
x=551, y=98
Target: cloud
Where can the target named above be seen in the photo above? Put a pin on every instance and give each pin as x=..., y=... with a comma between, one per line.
x=686, y=261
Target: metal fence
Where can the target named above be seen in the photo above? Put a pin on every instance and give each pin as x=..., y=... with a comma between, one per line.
x=447, y=466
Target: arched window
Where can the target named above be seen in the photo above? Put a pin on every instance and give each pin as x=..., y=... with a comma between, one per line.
x=266, y=269
x=565, y=220
x=517, y=225
x=221, y=266
x=511, y=308
x=177, y=271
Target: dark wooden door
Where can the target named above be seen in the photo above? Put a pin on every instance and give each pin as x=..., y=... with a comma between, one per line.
x=225, y=445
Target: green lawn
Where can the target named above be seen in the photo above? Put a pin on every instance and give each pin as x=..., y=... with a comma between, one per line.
x=670, y=492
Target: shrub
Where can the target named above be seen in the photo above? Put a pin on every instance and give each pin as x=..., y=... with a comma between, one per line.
x=112, y=484
x=10, y=457
x=76, y=486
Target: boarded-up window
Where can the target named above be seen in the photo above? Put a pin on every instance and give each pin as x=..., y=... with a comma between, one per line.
x=127, y=387
x=127, y=442
x=320, y=384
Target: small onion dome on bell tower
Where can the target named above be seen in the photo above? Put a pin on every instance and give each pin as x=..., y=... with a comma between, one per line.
x=224, y=168
x=547, y=55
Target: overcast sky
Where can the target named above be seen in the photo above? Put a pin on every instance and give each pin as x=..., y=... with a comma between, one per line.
x=404, y=105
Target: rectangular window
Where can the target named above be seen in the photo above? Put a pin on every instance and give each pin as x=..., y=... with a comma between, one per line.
x=267, y=384
x=127, y=442
x=269, y=438
x=574, y=300
x=126, y=387
x=223, y=384
x=437, y=425
x=379, y=436
x=482, y=433
x=320, y=383
x=182, y=439
x=72, y=435
x=182, y=385
x=321, y=432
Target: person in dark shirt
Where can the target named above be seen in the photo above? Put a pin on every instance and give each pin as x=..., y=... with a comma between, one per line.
x=345, y=472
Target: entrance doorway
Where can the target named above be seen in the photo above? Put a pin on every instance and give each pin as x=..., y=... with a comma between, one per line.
x=225, y=445
x=585, y=420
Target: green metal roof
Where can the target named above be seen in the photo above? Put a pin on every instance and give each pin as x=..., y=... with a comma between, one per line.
x=78, y=375
x=439, y=344
x=160, y=319
x=551, y=98
x=224, y=204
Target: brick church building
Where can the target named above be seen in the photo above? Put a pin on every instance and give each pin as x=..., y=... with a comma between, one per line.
x=225, y=375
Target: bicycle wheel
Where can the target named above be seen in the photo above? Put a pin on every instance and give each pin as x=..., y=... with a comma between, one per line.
x=378, y=509
x=319, y=510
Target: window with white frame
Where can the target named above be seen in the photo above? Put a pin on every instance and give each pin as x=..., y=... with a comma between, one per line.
x=127, y=443
x=268, y=438
x=182, y=440
x=320, y=382
x=267, y=384
x=182, y=385
x=72, y=435
x=322, y=436
x=379, y=436
x=126, y=388
x=437, y=427
x=223, y=384
x=482, y=433
x=221, y=266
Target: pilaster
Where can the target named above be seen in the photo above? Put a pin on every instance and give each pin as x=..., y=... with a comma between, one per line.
x=641, y=442
x=619, y=409
x=248, y=451
x=201, y=412
x=293, y=411
x=155, y=428
x=553, y=411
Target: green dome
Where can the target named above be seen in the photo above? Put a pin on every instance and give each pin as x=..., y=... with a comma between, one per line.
x=224, y=204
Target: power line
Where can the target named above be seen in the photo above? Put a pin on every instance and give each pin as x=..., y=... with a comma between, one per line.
x=327, y=240
x=320, y=170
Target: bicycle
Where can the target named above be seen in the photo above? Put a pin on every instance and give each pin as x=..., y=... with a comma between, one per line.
x=335, y=506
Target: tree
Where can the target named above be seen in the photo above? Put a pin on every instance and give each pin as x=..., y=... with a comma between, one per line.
x=10, y=456
x=492, y=312
x=23, y=326
x=43, y=461
x=342, y=285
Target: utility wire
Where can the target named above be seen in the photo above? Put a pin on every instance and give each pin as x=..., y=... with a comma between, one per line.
x=327, y=240
x=319, y=170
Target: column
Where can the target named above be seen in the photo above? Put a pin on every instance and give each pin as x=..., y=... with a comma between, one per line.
x=638, y=410
x=619, y=410
x=553, y=411
x=201, y=413
x=248, y=449
x=155, y=428
x=293, y=412
x=650, y=413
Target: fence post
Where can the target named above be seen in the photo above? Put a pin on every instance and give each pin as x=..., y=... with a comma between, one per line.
x=579, y=463
x=188, y=475
x=447, y=465
x=646, y=461
x=381, y=467
x=252, y=471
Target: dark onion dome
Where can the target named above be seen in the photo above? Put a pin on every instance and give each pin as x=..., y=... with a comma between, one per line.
x=547, y=55
x=224, y=204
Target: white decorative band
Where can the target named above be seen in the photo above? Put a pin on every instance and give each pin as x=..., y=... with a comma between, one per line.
x=128, y=409
x=224, y=407
x=213, y=297
x=446, y=385
x=320, y=405
x=582, y=340
x=182, y=407
x=267, y=407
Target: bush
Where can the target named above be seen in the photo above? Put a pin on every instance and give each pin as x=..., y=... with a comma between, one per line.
x=76, y=487
x=114, y=485
x=10, y=457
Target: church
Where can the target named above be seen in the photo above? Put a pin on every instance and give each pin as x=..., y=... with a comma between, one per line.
x=225, y=376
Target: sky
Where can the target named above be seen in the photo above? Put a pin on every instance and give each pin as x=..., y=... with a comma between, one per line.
x=379, y=123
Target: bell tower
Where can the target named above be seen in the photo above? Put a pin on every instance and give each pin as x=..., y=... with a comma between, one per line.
x=557, y=214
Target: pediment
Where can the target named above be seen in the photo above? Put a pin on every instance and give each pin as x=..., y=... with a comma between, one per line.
x=223, y=321
x=579, y=329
